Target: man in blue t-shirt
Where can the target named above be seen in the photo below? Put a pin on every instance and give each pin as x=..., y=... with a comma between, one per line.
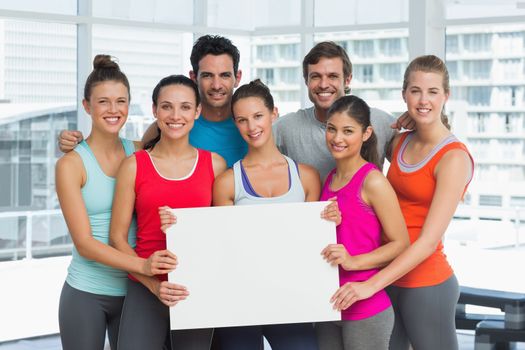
x=215, y=63
x=215, y=69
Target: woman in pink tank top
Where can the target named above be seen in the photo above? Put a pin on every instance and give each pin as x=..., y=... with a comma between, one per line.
x=169, y=171
x=369, y=207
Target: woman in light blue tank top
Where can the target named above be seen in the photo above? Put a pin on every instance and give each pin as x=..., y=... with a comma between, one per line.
x=266, y=176
x=92, y=296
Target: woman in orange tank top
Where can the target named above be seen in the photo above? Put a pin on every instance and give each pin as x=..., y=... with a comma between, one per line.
x=430, y=171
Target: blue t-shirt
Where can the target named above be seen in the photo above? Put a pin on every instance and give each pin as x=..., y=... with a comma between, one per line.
x=220, y=137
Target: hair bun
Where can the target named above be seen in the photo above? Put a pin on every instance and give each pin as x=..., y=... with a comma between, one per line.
x=104, y=62
x=257, y=82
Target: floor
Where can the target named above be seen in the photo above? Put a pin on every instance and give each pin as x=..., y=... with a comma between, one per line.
x=466, y=342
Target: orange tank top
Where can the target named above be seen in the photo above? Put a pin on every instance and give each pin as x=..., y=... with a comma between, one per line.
x=414, y=186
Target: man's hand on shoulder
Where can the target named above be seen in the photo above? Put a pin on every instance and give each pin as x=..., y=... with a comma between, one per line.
x=68, y=139
x=405, y=122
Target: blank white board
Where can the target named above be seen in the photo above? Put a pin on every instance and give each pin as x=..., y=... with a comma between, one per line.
x=252, y=265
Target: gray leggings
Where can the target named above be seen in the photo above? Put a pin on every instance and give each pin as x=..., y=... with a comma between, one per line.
x=84, y=317
x=425, y=316
x=146, y=324
x=369, y=333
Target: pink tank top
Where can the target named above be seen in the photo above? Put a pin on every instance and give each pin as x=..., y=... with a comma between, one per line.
x=360, y=233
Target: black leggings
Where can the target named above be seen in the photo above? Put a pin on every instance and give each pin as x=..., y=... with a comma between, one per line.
x=84, y=317
x=146, y=324
x=425, y=316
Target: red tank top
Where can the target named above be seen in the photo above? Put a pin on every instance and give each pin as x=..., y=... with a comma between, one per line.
x=152, y=191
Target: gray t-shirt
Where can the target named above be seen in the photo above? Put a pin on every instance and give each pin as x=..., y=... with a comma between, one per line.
x=301, y=137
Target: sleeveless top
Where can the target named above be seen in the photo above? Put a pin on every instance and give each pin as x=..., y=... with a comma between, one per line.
x=415, y=185
x=360, y=233
x=152, y=190
x=245, y=195
x=88, y=275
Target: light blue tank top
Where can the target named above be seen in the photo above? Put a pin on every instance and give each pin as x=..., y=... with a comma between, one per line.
x=88, y=275
x=243, y=197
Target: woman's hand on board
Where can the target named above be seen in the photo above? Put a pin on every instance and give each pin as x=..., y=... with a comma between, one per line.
x=167, y=219
x=160, y=263
x=331, y=212
x=170, y=293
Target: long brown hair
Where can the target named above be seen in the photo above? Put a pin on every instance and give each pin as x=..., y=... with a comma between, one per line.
x=358, y=110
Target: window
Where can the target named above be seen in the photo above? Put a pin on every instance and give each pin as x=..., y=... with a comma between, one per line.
x=479, y=95
x=364, y=73
x=452, y=44
x=517, y=201
x=390, y=47
x=476, y=43
x=364, y=48
x=510, y=69
x=290, y=75
x=477, y=70
x=391, y=72
x=289, y=52
x=266, y=75
x=265, y=53
x=490, y=200
x=452, y=67
x=509, y=42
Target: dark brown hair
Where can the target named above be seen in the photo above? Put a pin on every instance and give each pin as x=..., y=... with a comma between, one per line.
x=358, y=110
x=327, y=49
x=104, y=69
x=166, y=81
x=213, y=45
x=255, y=88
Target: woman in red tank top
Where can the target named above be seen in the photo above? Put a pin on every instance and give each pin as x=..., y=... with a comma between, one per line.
x=430, y=171
x=169, y=171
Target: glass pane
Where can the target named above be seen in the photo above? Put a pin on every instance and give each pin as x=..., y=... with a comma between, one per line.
x=478, y=9
x=38, y=93
x=250, y=14
x=346, y=12
x=64, y=7
x=145, y=56
x=157, y=11
x=277, y=62
x=487, y=70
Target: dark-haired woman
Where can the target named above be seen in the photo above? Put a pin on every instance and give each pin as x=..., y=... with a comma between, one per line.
x=369, y=208
x=266, y=176
x=93, y=294
x=168, y=172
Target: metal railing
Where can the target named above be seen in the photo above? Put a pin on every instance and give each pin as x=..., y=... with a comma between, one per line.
x=490, y=226
x=29, y=234
x=43, y=233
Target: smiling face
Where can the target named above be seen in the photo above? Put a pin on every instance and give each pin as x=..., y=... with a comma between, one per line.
x=326, y=82
x=345, y=136
x=216, y=80
x=254, y=120
x=108, y=106
x=425, y=97
x=176, y=110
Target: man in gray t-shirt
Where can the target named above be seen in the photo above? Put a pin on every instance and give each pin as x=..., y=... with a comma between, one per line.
x=327, y=73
